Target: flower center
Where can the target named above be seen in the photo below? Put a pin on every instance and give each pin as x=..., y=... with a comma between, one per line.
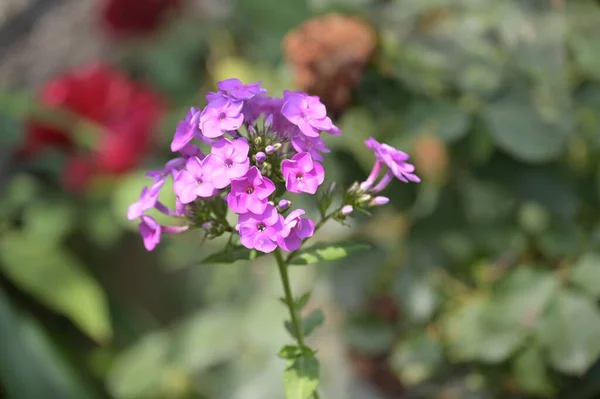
x=261, y=227
x=299, y=177
x=250, y=190
x=222, y=116
x=228, y=163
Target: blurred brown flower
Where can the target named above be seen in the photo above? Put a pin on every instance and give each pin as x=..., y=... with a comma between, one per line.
x=328, y=55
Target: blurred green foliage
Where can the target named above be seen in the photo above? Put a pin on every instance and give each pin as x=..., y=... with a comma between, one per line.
x=493, y=261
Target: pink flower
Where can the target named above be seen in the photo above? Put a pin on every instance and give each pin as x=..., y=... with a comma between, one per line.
x=148, y=199
x=295, y=229
x=193, y=182
x=150, y=231
x=306, y=112
x=228, y=160
x=301, y=174
x=260, y=231
x=186, y=130
x=313, y=145
x=220, y=116
x=234, y=88
x=250, y=193
x=394, y=159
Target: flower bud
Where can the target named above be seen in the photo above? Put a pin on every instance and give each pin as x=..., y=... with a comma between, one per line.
x=208, y=225
x=260, y=157
x=269, y=149
x=364, y=198
x=251, y=130
x=284, y=204
x=346, y=210
x=379, y=200
x=277, y=146
x=269, y=121
x=258, y=140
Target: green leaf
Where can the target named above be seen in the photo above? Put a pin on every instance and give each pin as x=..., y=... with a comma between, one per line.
x=417, y=358
x=569, y=332
x=327, y=252
x=517, y=127
x=529, y=370
x=289, y=352
x=49, y=221
x=301, y=302
x=30, y=364
x=315, y=319
x=230, y=255
x=586, y=274
x=301, y=377
x=58, y=280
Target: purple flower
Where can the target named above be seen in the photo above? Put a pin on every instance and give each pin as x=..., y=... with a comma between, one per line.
x=260, y=231
x=301, y=174
x=306, y=112
x=295, y=229
x=250, y=193
x=148, y=199
x=221, y=115
x=193, y=182
x=313, y=145
x=228, y=160
x=186, y=130
x=236, y=89
x=150, y=231
x=171, y=168
x=191, y=150
x=394, y=159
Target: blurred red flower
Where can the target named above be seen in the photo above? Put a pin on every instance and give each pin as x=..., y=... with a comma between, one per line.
x=135, y=17
x=122, y=112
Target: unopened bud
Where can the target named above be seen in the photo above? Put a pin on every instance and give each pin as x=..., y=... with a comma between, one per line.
x=269, y=121
x=364, y=198
x=260, y=157
x=353, y=188
x=347, y=210
x=208, y=225
x=277, y=146
x=269, y=149
x=258, y=140
x=377, y=201
x=284, y=204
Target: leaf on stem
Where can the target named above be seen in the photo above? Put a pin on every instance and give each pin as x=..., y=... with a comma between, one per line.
x=232, y=254
x=301, y=377
x=327, y=252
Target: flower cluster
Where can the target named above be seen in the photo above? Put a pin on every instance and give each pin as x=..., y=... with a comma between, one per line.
x=242, y=153
x=122, y=111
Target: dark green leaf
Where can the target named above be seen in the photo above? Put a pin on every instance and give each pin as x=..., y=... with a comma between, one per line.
x=327, y=252
x=517, y=127
x=230, y=255
x=301, y=377
x=289, y=352
x=58, y=280
x=30, y=365
x=315, y=319
x=529, y=369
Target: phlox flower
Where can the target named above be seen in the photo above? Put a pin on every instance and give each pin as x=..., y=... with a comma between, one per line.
x=313, y=145
x=187, y=130
x=302, y=174
x=228, y=160
x=148, y=199
x=234, y=88
x=250, y=193
x=307, y=113
x=260, y=231
x=394, y=159
x=295, y=229
x=194, y=181
x=221, y=115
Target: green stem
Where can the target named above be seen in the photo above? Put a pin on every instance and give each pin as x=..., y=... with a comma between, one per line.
x=289, y=300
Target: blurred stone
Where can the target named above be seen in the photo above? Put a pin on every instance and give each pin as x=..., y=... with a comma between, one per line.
x=328, y=55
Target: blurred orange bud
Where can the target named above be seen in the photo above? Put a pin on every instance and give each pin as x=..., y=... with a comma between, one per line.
x=431, y=158
x=328, y=55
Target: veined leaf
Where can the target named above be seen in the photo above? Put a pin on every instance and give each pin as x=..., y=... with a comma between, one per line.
x=327, y=252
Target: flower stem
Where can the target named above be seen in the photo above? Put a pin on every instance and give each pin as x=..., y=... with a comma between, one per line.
x=289, y=300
